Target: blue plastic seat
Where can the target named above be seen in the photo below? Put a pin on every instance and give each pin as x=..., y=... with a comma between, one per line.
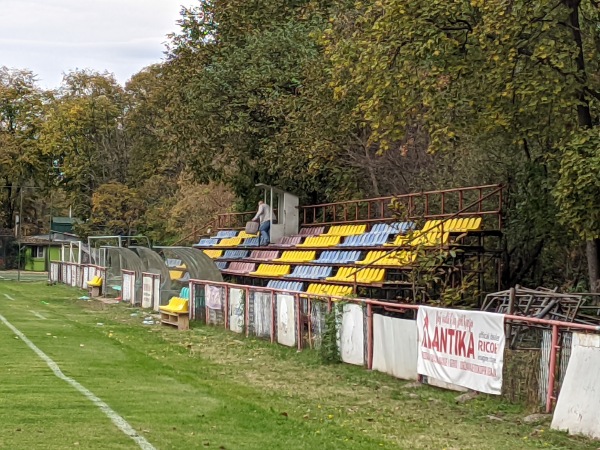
x=380, y=238
x=251, y=242
x=225, y=234
x=402, y=227
x=208, y=242
x=221, y=265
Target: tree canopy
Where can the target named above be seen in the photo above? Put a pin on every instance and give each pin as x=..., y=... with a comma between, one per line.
x=333, y=101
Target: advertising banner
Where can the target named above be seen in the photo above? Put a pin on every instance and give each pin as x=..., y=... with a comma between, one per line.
x=465, y=348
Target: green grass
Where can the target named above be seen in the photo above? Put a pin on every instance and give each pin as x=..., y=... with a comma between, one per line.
x=208, y=388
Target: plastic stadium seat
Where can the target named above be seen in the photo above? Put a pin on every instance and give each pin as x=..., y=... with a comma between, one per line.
x=338, y=257
x=282, y=285
x=172, y=263
x=209, y=242
x=393, y=228
x=289, y=241
x=352, y=241
x=221, y=265
x=311, y=272
x=329, y=289
x=185, y=293
x=225, y=234
x=176, y=305
x=296, y=256
x=240, y=267
x=463, y=224
x=250, y=242
x=271, y=270
x=264, y=255
x=382, y=258
x=95, y=282
x=244, y=235
x=311, y=231
x=365, y=276
x=174, y=274
x=320, y=241
x=346, y=230
x=213, y=254
x=235, y=254
x=184, y=278
x=229, y=242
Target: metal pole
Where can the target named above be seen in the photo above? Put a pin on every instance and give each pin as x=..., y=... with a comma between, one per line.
x=552, y=369
x=369, y=336
x=20, y=235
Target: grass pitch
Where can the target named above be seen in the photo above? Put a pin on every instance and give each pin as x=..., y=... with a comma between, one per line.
x=209, y=388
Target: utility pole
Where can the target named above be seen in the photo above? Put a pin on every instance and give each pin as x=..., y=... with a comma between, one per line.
x=20, y=234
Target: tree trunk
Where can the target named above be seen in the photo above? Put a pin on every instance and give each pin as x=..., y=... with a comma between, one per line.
x=584, y=119
x=592, y=250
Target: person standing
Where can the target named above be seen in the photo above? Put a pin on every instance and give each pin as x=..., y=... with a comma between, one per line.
x=264, y=216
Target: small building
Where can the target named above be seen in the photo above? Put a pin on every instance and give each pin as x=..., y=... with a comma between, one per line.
x=63, y=224
x=39, y=250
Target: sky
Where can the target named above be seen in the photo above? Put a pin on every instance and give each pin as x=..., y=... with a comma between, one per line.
x=51, y=37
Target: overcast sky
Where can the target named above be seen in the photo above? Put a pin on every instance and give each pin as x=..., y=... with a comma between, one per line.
x=50, y=37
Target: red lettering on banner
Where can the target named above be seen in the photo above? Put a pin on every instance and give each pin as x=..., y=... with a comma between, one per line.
x=488, y=347
x=451, y=341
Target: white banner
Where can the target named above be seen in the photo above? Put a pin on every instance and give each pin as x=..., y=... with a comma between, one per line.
x=351, y=335
x=461, y=347
x=236, y=310
x=147, y=291
x=286, y=320
x=213, y=297
x=395, y=346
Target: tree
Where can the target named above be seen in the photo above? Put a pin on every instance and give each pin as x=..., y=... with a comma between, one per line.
x=84, y=133
x=116, y=209
x=21, y=118
x=472, y=73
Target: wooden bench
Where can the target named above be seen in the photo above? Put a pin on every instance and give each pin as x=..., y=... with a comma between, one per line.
x=176, y=313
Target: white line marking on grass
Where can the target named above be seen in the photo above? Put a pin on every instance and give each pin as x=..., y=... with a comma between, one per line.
x=38, y=315
x=9, y=297
x=119, y=421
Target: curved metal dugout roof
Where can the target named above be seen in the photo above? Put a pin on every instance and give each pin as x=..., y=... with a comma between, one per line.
x=199, y=266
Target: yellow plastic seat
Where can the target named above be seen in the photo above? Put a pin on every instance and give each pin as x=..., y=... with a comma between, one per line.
x=95, y=282
x=365, y=276
x=176, y=274
x=430, y=224
x=176, y=305
x=214, y=254
x=296, y=256
x=229, y=242
x=329, y=289
x=321, y=241
x=399, y=240
x=435, y=237
x=346, y=230
x=396, y=259
x=244, y=235
x=466, y=224
x=271, y=270
x=370, y=257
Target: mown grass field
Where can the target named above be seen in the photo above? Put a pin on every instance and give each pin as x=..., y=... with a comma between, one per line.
x=208, y=388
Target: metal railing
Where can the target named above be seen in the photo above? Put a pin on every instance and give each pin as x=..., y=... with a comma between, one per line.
x=555, y=327
x=483, y=201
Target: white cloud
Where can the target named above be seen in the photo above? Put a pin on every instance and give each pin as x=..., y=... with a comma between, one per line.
x=51, y=37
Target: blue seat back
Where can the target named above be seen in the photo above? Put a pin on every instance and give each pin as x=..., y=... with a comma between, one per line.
x=251, y=242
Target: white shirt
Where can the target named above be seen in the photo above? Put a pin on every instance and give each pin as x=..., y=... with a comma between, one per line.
x=265, y=213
